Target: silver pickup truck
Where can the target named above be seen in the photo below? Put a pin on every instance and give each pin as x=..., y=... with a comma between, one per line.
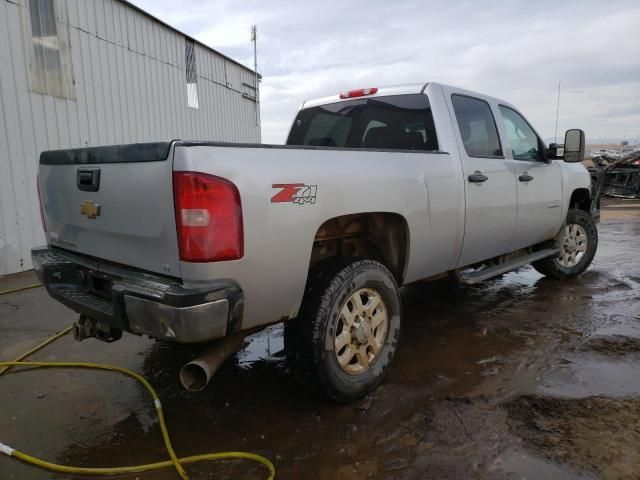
x=190, y=241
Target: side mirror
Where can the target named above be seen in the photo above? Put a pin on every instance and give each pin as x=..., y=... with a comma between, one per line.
x=574, y=145
x=555, y=151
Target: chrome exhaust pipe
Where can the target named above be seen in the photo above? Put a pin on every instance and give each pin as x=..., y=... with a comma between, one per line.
x=196, y=374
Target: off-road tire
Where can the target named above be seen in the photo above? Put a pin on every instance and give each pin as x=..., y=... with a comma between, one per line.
x=551, y=267
x=309, y=337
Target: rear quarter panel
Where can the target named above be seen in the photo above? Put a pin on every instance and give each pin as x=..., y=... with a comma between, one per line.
x=278, y=237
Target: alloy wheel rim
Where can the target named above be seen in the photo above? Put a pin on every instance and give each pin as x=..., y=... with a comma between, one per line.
x=573, y=245
x=361, y=331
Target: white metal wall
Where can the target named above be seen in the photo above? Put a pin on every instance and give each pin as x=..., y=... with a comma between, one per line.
x=130, y=86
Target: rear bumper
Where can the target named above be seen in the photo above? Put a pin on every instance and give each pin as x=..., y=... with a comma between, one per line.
x=138, y=302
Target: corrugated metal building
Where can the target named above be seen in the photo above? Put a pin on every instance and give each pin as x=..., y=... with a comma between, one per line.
x=79, y=73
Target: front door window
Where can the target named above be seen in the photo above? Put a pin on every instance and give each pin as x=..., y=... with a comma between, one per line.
x=524, y=141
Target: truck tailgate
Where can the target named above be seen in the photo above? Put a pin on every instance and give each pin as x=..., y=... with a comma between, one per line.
x=114, y=203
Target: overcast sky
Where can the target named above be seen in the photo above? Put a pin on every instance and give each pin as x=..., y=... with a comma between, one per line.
x=515, y=50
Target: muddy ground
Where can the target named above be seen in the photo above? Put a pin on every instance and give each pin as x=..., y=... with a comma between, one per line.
x=520, y=377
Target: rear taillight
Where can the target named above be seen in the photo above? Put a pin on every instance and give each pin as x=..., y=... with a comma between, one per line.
x=363, y=92
x=44, y=226
x=208, y=217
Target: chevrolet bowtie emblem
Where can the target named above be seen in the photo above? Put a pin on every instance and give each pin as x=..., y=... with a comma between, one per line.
x=90, y=209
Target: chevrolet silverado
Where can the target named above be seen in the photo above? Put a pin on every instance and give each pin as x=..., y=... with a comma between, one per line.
x=193, y=241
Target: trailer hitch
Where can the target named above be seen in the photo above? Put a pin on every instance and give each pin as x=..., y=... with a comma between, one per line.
x=87, y=327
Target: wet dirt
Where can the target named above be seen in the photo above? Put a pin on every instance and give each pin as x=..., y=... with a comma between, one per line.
x=613, y=345
x=519, y=377
x=567, y=429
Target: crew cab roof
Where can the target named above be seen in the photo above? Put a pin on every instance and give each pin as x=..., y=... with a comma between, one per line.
x=402, y=89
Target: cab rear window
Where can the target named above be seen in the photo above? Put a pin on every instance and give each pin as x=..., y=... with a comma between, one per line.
x=399, y=122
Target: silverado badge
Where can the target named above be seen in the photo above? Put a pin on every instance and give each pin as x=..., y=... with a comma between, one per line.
x=90, y=209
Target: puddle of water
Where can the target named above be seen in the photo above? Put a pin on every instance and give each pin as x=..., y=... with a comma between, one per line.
x=630, y=329
x=588, y=377
x=526, y=276
x=528, y=467
x=263, y=346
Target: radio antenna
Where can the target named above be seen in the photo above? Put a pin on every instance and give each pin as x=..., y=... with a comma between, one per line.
x=254, y=39
x=557, y=112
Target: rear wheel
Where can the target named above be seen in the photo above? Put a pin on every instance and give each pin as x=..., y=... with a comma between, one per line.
x=346, y=333
x=578, y=243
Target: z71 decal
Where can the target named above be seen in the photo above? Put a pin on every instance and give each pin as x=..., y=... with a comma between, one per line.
x=297, y=193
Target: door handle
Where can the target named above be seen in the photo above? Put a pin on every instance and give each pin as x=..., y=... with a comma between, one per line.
x=525, y=177
x=88, y=179
x=477, y=177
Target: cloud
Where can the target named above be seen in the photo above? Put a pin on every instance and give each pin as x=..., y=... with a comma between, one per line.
x=627, y=110
x=516, y=50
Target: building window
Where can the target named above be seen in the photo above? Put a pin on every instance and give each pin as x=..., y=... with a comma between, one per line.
x=47, y=37
x=192, y=76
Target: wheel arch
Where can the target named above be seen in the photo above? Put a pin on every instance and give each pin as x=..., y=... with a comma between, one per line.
x=580, y=199
x=380, y=236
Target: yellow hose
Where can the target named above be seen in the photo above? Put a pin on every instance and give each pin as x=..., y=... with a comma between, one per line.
x=174, y=460
x=15, y=290
x=38, y=347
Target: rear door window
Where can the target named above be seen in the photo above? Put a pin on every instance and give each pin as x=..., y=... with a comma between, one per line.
x=477, y=127
x=399, y=122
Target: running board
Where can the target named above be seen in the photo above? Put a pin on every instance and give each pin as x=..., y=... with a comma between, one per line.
x=487, y=273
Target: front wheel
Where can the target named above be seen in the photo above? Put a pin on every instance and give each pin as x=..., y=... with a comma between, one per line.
x=578, y=243
x=344, y=338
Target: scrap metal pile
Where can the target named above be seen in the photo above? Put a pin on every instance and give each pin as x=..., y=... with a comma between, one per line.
x=617, y=176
